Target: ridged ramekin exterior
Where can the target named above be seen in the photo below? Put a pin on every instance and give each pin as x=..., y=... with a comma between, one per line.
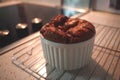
x=67, y=56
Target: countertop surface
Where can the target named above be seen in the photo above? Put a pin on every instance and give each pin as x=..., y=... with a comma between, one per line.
x=8, y=71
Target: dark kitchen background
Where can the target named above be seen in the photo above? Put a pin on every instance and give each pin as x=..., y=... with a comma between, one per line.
x=19, y=19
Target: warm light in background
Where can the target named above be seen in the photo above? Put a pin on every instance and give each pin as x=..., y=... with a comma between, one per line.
x=21, y=26
x=4, y=32
x=36, y=20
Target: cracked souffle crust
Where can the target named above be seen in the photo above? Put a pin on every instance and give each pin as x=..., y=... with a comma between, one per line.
x=62, y=29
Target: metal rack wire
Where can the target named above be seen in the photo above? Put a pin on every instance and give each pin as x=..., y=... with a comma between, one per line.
x=105, y=64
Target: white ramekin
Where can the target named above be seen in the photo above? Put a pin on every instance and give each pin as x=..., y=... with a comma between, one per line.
x=67, y=56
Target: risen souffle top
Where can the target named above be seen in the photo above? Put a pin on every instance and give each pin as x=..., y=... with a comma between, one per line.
x=62, y=29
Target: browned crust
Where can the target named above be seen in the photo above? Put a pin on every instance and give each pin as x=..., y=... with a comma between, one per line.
x=62, y=29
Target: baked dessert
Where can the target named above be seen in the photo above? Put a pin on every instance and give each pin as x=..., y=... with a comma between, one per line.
x=67, y=42
x=67, y=30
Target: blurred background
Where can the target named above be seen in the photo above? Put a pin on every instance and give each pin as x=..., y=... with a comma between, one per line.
x=20, y=18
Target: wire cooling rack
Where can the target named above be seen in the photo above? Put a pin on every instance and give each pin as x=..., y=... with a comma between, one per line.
x=104, y=66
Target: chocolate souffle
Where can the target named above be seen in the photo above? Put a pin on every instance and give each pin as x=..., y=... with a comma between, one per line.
x=62, y=29
x=67, y=42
